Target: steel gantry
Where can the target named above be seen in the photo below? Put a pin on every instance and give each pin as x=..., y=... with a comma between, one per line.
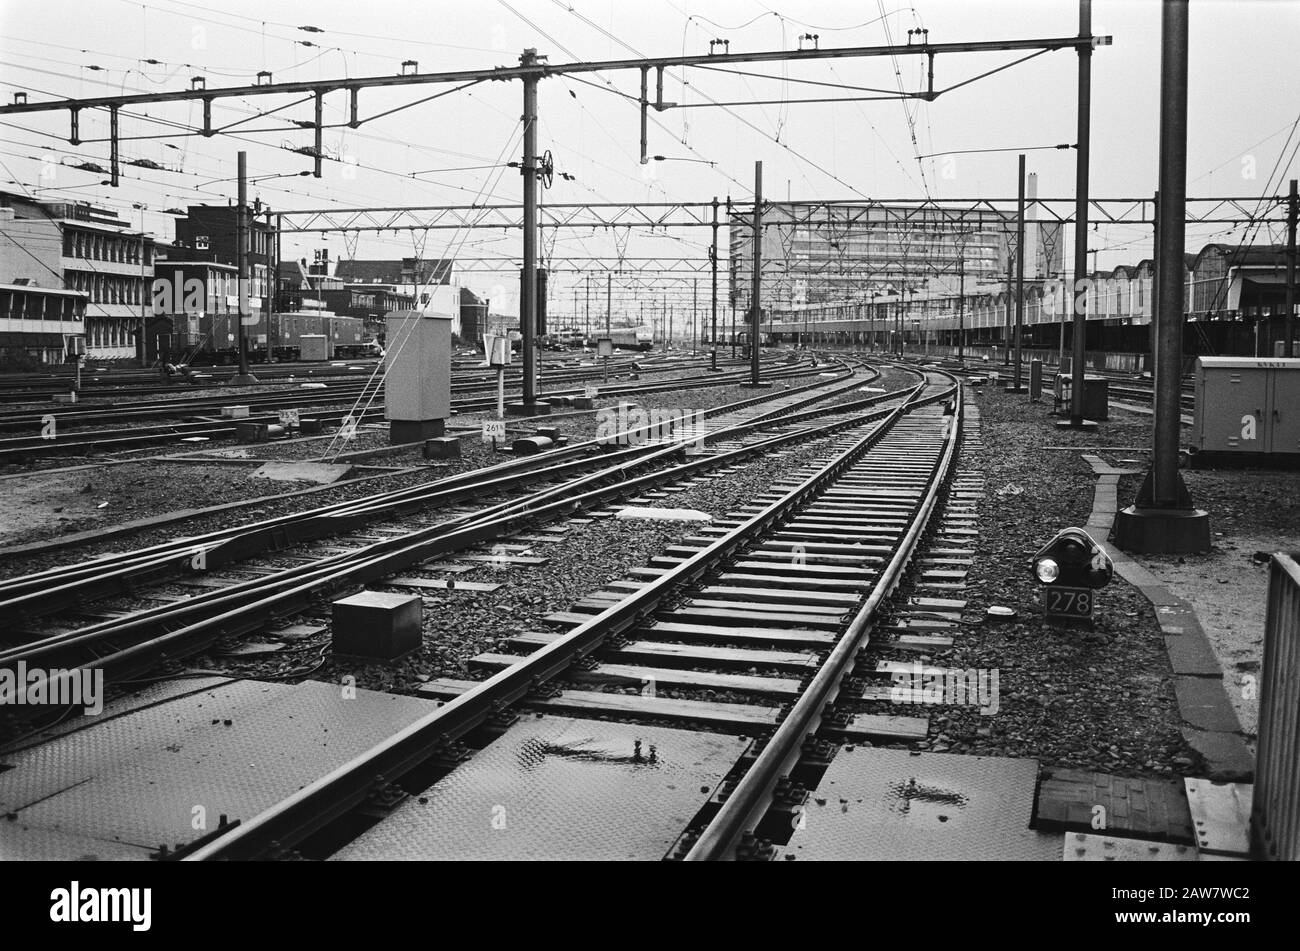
x=531, y=69
x=852, y=212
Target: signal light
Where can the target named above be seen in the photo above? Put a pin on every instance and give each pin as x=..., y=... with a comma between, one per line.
x=1047, y=570
x=1071, y=566
x=1073, y=559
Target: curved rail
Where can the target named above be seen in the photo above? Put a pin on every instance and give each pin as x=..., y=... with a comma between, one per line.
x=749, y=801
x=315, y=805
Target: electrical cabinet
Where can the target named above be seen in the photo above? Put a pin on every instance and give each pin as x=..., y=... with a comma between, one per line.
x=417, y=374
x=1247, y=405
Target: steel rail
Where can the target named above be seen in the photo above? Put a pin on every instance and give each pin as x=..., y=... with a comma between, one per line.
x=418, y=495
x=290, y=590
x=313, y=806
x=351, y=393
x=23, y=446
x=294, y=590
x=29, y=597
x=91, y=412
x=285, y=590
x=749, y=801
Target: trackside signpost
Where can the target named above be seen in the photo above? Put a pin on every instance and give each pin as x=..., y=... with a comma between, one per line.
x=498, y=357
x=494, y=429
x=605, y=350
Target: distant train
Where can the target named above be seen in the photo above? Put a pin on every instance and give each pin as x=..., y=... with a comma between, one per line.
x=214, y=338
x=631, y=338
x=625, y=338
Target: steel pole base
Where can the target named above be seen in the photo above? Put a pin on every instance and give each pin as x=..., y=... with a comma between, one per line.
x=1086, y=425
x=535, y=408
x=1162, y=531
x=243, y=379
x=402, y=431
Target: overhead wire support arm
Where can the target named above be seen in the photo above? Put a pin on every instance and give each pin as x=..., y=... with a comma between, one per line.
x=113, y=155
x=534, y=70
x=320, y=141
x=645, y=105
x=547, y=69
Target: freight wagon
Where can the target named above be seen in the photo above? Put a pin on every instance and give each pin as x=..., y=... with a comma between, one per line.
x=214, y=338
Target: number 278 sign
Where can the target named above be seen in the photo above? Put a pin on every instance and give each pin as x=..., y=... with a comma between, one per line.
x=1068, y=602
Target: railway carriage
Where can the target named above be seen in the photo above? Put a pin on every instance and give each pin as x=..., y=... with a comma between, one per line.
x=214, y=338
x=630, y=338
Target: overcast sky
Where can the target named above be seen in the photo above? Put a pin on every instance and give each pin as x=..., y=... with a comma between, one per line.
x=1245, y=94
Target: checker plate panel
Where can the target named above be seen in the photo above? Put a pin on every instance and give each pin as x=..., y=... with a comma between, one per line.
x=559, y=788
x=892, y=805
x=134, y=781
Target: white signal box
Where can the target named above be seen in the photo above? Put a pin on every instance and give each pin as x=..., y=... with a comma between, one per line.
x=498, y=350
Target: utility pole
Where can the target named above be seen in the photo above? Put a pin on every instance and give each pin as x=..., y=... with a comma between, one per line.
x=1293, y=204
x=273, y=272
x=243, y=378
x=1153, y=328
x=695, y=315
x=898, y=320
x=755, y=298
x=1162, y=519
x=961, y=308
x=1081, y=216
x=902, y=343
x=1020, y=273
x=733, y=323
x=1006, y=336
x=528, y=298
x=713, y=264
x=144, y=296
x=586, y=322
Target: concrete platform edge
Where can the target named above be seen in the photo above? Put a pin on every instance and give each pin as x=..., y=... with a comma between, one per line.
x=1224, y=749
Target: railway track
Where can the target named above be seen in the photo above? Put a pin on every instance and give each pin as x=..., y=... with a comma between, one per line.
x=90, y=414
x=1125, y=386
x=208, y=589
x=18, y=388
x=767, y=609
x=20, y=448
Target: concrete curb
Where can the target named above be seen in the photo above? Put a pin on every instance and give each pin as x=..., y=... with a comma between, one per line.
x=1210, y=723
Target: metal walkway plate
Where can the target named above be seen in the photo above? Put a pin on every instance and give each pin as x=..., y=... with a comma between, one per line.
x=1085, y=847
x=559, y=788
x=124, y=786
x=892, y=805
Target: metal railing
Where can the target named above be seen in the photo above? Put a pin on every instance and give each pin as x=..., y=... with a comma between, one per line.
x=1275, y=812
